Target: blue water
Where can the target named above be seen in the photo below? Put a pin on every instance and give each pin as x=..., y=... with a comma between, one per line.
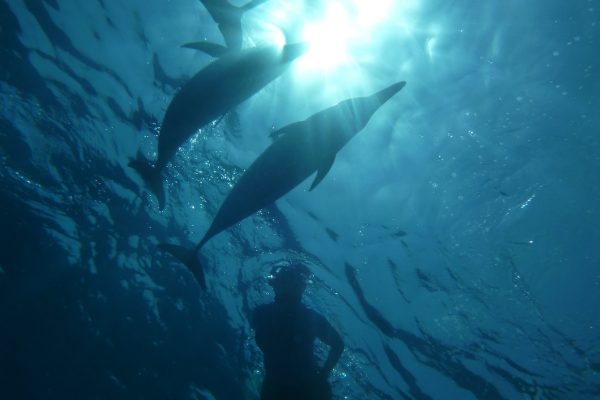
x=454, y=243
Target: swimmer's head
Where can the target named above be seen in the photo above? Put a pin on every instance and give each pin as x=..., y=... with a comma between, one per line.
x=289, y=281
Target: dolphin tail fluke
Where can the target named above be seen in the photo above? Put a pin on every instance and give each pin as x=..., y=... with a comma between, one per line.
x=212, y=49
x=188, y=258
x=385, y=94
x=151, y=176
x=251, y=4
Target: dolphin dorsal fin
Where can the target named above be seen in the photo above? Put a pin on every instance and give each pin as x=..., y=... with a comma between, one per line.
x=322, y=171
x=212, y=49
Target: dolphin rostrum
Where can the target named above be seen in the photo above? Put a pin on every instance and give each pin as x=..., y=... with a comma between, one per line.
x=216, y=89
x=229, y=19
x=300, y=149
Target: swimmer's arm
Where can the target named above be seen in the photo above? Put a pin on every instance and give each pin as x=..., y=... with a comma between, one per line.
x=332, y=338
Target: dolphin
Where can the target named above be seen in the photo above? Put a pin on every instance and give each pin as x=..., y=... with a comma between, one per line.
x=229, y=19
x=300, y=149
x=216, y=89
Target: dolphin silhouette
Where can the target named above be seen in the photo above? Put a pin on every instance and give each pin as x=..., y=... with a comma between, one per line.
x=220, y=86
x=229, y=19
x=300, y=149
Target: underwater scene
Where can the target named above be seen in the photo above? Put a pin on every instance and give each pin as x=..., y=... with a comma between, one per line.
x=300, y=199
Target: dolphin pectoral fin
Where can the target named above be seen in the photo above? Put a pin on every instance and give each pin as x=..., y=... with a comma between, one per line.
x=322, y=171
x=188, y=258
x=212, y=49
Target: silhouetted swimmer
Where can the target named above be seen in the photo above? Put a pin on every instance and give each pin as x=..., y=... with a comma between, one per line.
x=285, y=331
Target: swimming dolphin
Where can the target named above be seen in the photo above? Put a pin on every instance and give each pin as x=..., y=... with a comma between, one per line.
x=300, y=149
x=229, y=19
x=216, y=89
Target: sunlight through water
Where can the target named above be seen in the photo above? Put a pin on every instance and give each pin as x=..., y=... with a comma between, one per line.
x=329, y=38
x=340, y=33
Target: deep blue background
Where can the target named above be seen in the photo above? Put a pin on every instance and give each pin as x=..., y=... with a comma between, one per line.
x=454, y=241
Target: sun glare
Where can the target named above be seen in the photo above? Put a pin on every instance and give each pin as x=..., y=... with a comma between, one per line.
x=369, y=13
x=344, y=36
x=341, y=28
x=329, y=39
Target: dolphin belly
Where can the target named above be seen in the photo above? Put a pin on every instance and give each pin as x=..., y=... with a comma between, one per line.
x=279, y=169
x=216, y=89
x=301, y=149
